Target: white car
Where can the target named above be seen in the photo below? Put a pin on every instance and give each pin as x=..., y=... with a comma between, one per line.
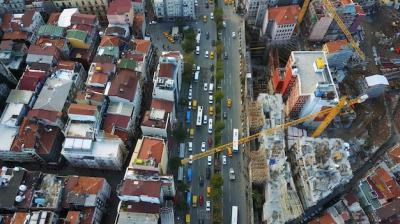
x=208, y=206
x=224, y=159
x=203, y=146
x=190, y=105
x=233, y=34
x=212, y=15
x=190, y=94
x=190, y=159
x=198, y=30
x=210, y=99
x=206, y=54
x=205, y=87
x=198, y=68
x=205, y=119
x=191, y=86
x=209, y=159
x=190, y=146
x=153, y=22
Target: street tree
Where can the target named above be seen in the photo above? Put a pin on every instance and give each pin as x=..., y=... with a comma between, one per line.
x=219, y=125
x=179, y=133
x=174, y=164
x=219, y=75
x=217, y=181
x=189, y=42
x=218, y=95
x=220, y=48
x=188, y=60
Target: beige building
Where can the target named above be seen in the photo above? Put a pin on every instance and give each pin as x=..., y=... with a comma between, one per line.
x=94, y=7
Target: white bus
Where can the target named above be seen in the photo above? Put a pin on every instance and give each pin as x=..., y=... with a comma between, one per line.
x=235, y=143
x=235, y=211
x=199, y=119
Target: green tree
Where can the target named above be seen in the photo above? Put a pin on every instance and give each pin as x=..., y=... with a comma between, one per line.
x=174, y=164
x=179, y=133
x=217, y=181
x=189, y=42
x=218, y=95
x=219, y=75
x=219, y=125
x=220, y=48
x=182, y=186
x=188, y=60
x=218, y=14
x=257, y=199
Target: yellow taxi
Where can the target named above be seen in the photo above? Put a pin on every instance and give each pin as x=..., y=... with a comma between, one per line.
x=229, y=103
x=211, y=110
x=205, y=18
x=191, y=133
x=212, y=55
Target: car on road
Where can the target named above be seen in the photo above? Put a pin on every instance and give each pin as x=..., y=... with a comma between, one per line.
x=208, y=174
x=229, y=152
x=190, y=86
x=191, y=133
x=211, y=110
x=190, y=94
x=205, y=18
x=209, y=160
x=212, y=15
x=190, y=105
x=224, y=115
x=201, y=180
x=201, y=200
x=232, y=174
x=198, y=68
x=203, y=146
x=224, y=24
x=210, y=99
x=213, y=42
x=205, y=119
x=196, y=3
x=207, y=35
x=233, y=35
x=199, y=30
x=225, y=55
x=205, y=87
x=208, y=206
x=197, y=50
x=207, y=5
x=206, y=54
x=153, y=22
x=210, y=141
x=194, y=104
x=212, y=55
x=212, y=67
x=190, y=146
x=224, y=159
x=229, y=102
x=190, y=159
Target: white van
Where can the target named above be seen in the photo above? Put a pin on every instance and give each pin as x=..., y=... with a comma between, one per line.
x=197, y=50
x=211, y=88
x=210, y=126
x=196, y=76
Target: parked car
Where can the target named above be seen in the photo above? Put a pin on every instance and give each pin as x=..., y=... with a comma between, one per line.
x=208, y=173
x=233, y=35
x=224, y=159
x=224, y=115
x=201, y=200
x=201, y=180
x=205, y=119
x=208, y=206
x=190, y=146
x=205, y=87
x=203, y=146
x=210, y=141
x=209, y=160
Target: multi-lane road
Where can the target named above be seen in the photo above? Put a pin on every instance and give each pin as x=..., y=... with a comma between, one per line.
x=234, y=192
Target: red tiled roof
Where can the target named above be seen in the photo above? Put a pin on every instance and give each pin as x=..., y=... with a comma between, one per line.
x=33, y=135
x=351, y=198
x=44, y=41
x=73, y=217
x=138, y=22
x=395, y=154
x=44, y=50
x=87, y=19
x=325, y=219
x=88, y=214
x=137, y=188
x=166, y=70
x=166, y=105
x=359, y=10
x=115, y=120
x=142, y=46
x=50, y=116
x=110, y=41
x=124, y=85
x=19, y=218
x=389, y=210
x=15, y=35
x=84, y=185
x=68, y=65
x=175, y=54
x=6, y=45
x=27, y=18
x=284, y=14
x=142, y=207
x=30, y=80
x=99, y=78
x=134, y=56
x=118, y=7
x=151, y=148
x=148, y=122
x=82, y=109
x=53, y=19
x=95, y=98
x=336, y=45
x=6, y=21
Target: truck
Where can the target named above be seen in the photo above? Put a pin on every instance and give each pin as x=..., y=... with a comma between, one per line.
x=182, y=150
x=189, y=198
x=198, y=38
x=188, y=117
x=232, y=174
x=189, y=175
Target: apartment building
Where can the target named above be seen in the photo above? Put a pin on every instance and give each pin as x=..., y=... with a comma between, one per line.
x=306, y=85
x=23, y=26
x=14, y=6
x=93, y=7
x=120, y=12
x=338, y=53
x=279, y=22
x=12, y=54
x=172, y=9
x=255, y=10
x=159, y=120
x=321, y=26
x=168, y=76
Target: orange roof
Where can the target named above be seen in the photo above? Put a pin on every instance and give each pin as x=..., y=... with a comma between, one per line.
x=336, y=45
x=325, y=219
x=15, y=35
x=346, y=2
x=73, y=217
x=395, y=154
x=84, y=185
x=359, y=9
x=142, y=46
x=19, y=218
x=110, y=41
x=151, y=148
x=82, y=109
x=284, y=15
x=383, y=174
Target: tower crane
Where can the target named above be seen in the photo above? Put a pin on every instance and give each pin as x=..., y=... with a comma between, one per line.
x=338, y=20
x=329, y=113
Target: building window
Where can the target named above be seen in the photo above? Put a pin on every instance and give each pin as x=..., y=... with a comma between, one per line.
x=69, y=3
x=83, y=2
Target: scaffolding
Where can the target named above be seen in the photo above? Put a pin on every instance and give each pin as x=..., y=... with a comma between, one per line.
x=258, y=167
x=256, y=117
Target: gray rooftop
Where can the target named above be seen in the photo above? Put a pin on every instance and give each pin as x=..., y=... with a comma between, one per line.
x=309, y=78
x=19, y=96
x=53, y=95
x=9, y=192
x=120, y=108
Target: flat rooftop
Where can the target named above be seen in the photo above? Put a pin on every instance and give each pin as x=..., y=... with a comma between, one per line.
x=7, y=137
x=308, y=77
x=80, y=129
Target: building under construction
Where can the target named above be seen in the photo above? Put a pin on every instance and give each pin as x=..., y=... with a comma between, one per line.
x=281, y=200
x=319, y=165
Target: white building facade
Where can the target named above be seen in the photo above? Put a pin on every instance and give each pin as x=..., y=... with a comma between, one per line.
x=172, y=9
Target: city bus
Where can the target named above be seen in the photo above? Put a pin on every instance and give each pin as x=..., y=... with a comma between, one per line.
x=234, y=215
x=199, y=120
x=188, y=117
x=235, y=143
